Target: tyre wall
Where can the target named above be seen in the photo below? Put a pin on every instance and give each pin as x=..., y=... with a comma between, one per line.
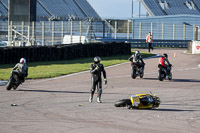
x=11, y=55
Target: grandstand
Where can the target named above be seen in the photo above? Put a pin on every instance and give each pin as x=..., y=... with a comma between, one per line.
x=58, y=10
x=171, y=7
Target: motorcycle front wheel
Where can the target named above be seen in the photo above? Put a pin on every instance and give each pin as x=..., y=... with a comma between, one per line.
x=9, y=84
x=122, y=103
x=133, y=73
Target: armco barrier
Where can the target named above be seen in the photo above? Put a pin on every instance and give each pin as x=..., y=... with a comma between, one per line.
x=11, y=55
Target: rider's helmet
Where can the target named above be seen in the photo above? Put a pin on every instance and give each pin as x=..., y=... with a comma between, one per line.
x=137, y=53
x=165, y=55
x=22, y=60
x=97, y=59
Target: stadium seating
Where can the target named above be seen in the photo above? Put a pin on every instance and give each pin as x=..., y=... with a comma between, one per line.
x=197, y=3
x=90, y=12
x=172, y=7
x=3, y=11
x=179, y=7
x=60, y=9
x=3, y=6
x=154, y=7
x=41, y=11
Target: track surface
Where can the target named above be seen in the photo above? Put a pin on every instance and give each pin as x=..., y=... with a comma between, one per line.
x=61, y=104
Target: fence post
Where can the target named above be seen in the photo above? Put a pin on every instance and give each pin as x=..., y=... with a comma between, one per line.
x=22, y=29
x=33, y=33
x=43, y=25
x=80, y=30
x=103, y=22
x=28, y=42
x=71, y=34
x=183, y=31
x=197, y=33
x=151, y=28
x=194, y=28
x=10, y=33
x=173, y=31
x=62, y=32
x=52, y=41
x=115, y=29
x=162, y=31
x=128, y=26
x=140, y=27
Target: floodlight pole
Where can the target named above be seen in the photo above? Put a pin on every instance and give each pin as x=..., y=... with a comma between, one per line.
x=139, y=9
x=132, y=9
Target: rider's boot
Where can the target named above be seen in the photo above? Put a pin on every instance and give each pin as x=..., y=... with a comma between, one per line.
x=99, y=99
x=91, y=98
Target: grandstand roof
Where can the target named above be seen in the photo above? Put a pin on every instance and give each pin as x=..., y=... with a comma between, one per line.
x=171, y=7
x=58, y=9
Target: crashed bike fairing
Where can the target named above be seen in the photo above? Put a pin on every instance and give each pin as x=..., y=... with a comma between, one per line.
x=145, y=101
x=96, y=70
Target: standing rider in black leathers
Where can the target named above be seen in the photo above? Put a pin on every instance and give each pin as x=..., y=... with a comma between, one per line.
x=137, y=58
x=96, y=69
x=22, y=69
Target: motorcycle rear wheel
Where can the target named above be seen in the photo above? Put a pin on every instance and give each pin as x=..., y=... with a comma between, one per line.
x=16, y=77
x=160, y=77
x=141, y=74
x=123, y=103
x=170, y=76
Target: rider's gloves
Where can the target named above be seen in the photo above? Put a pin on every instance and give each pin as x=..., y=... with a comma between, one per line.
x=105, y=81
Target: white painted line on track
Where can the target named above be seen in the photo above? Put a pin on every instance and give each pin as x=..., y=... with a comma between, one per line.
x=123, y=76
x=74, y=74
x=2, y=83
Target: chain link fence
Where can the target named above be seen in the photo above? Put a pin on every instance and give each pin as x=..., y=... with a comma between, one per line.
x=47, y=33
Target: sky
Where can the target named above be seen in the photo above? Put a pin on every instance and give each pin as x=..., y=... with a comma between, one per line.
x=114, y=9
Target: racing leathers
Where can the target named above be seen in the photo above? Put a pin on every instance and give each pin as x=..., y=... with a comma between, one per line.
x=22, y=70
x=96, y=70
x=138, y=60
x=162, y=61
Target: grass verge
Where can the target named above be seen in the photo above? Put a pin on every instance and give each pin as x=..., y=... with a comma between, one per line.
x=38, y=70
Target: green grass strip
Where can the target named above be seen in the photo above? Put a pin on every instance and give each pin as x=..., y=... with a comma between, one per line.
x=39, y=70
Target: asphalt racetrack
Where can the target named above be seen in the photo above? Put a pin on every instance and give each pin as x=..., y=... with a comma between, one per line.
x=60, y=105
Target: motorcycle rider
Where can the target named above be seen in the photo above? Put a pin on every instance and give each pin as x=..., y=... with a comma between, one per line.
x=96, y=69
x=22, y=69
x=162, y=61
x=137, y=58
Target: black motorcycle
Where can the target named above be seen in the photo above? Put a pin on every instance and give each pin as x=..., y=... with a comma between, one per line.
x=14, y=81
x=137, y=70
x=162, y=72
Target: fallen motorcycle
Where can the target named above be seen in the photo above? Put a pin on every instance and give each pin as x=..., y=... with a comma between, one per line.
x=139, y=101
x=14, y=81
x=136, y=71
x=162, y=72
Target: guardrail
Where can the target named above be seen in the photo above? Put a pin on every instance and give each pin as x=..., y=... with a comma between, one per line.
x=141, y=43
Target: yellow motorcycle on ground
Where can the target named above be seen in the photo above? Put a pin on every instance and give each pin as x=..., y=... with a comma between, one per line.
x=139, y=101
